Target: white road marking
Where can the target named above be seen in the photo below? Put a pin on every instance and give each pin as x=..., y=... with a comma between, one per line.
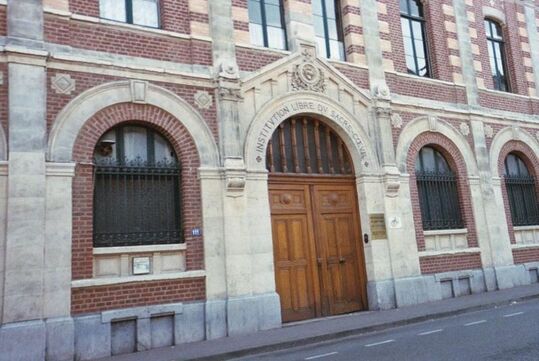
x=320, y=356
x=430, y=332
x=513, y=314
x=475, y=323
x=379, y=343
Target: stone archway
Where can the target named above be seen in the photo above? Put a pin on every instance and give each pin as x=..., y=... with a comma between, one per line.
x=72, y=118
x=345, y=126
x=349, y=129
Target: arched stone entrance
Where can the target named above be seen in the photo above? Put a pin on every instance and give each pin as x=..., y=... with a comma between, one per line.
x=318, y=249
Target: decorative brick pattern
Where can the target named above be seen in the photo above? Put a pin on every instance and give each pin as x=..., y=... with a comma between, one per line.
x=253, y=59
x=353, y=32
x=532, y=162
x=184, y=146
x=97, y=299
x=125, y=41
x=456, y=162
x=427, y=89
x=3, y=20
x=448, y=263
x=525, y=255
x=240, y=15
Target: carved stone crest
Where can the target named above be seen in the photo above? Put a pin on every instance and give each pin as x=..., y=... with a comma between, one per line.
x=307, y=76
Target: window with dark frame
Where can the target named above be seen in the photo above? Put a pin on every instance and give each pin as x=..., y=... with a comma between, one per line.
x=266, y=24
x=521, y=191
x=438, y=193
x=496, y=54
x=137, y=12
x=136, y=189
x=328, y=28
x=415, y=39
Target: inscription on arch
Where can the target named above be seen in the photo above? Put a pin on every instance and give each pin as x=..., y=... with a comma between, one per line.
x=306, y=106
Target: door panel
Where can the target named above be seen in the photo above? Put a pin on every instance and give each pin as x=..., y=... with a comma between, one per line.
x=318, y=255
x=335, y=215
x=293, y=252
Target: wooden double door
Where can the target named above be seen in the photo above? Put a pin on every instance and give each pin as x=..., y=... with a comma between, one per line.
x=318, y=252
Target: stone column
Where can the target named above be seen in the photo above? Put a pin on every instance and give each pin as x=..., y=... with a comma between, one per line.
x=3, y=216
x=401, y=249
x=491, y=224
x=214, y=252
x=373, y=47
x=23, y=335
x=299, y=24
x=466, y=56
x=533, y=34
x=244, y=308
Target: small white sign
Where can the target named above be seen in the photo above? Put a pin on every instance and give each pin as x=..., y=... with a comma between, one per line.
x=395, y=222
x=141, y=265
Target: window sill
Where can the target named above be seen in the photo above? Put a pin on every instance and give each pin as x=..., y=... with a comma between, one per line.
x=502, y=93
x=449, y=252
x=439, y=232
x=263, y=48
x=93, y=282
x=140, y=249
x=425, y=79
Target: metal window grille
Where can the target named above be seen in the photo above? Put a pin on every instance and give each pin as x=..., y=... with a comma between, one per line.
x=307, y=146
x=136, y=203
x=438, y=198
x=521, y=192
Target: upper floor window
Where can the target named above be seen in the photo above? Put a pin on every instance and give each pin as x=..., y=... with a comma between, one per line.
x=328, y=28
x=496, y=53
x=437, y=188
x=138, y=12
x=266, y=23
x=521, y=191
x=136, y=189
x=414, y=36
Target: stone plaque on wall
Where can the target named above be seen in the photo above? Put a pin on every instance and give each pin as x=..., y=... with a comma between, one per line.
x=378, y=226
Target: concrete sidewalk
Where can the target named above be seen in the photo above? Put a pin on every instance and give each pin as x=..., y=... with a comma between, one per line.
x=329, y=328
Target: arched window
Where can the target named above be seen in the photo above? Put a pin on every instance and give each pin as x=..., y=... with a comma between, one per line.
x=328, y=28
x=138, y=12
x=521, y=192
x=266, y=23
x=415, y=39
x=136, y=189
x=496, y=54
x=437, y=188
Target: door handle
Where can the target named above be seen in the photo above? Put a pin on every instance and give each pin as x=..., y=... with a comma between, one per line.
x=342, y=260
x=366, y=238
x=319, y=261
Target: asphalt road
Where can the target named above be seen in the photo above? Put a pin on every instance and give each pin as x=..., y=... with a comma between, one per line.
x=508, y=333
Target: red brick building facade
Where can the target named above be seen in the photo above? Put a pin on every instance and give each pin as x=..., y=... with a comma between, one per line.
x=172, y=113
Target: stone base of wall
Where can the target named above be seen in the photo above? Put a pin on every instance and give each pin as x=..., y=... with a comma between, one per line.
x=434, y=287
x=127, y=330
